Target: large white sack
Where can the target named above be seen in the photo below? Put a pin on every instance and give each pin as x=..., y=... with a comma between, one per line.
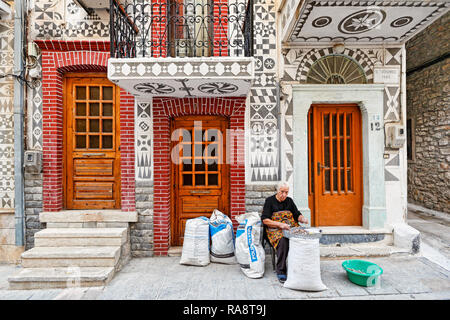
x=222, y=238
x=249, y=251
x=196, y=242
x=303, y=265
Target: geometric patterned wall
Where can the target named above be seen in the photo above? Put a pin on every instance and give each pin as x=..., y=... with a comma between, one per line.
x=392, y=113
x=6, y=116
x=143, y=140
x=264, y=127
x=35, y=118
x=65, y=19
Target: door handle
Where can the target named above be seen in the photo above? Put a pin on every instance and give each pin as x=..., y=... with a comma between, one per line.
x=94, y=154
x=200, y=191
x=319, y=166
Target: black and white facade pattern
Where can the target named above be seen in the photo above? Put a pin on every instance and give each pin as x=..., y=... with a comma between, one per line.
x=35, y=119
x=6, y=116
x=143, y=140
x=183, y=77
x=61, y=19
x=264, y=123
x=363, y=21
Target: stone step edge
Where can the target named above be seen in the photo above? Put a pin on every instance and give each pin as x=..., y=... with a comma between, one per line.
x=81, y=233
x=78, y=242
x=71, y=216
x=70, y=252
x=56, y=274
x=331, y=251
x=30, y=283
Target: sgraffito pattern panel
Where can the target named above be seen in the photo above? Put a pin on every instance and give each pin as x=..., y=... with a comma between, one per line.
x=61, y=19
x=35, y=120
x=143, y=146
x=264, y=124
x=6, y=116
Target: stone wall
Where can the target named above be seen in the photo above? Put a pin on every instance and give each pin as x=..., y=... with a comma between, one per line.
x=33, y=206
x=428, y=101
x=255, y=196
x=142, y=231
x=432, y=42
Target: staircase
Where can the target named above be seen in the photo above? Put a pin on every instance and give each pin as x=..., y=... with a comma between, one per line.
x=78, y=248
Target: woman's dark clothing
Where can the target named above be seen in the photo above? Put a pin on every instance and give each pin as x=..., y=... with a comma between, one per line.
x=282, y=253
x=272, y=206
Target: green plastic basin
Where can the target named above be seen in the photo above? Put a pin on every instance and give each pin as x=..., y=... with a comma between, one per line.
x=363, y=273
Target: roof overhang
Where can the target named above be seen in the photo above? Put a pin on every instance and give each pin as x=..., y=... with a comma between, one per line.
x=358, y=21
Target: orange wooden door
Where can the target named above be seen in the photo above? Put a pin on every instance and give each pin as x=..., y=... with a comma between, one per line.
x=92, y=143
x=200, y=174
x=335, y=165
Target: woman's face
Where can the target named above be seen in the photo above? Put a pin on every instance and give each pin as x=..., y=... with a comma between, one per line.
x=282, y=193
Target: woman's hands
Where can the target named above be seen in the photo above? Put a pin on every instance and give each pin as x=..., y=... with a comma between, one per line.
x=302, y=219
x=283, y=226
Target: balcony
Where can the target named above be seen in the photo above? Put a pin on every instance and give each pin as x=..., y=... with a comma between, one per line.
x=182, y=48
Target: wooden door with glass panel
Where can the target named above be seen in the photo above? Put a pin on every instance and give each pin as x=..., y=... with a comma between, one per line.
x=92, y=143
x=200, y=174
x=335, y=165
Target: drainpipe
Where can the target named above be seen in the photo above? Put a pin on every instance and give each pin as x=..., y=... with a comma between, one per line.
x=18, y=124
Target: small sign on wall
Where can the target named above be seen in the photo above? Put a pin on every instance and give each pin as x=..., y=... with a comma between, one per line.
x=388, y=75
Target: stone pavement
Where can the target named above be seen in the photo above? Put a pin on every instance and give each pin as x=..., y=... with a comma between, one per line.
x=162, y=278
x=434, y=228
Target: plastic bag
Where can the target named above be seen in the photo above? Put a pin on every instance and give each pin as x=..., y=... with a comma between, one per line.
x=303, y=265
x=249, y=251
x=222, y=238
x=196, y=242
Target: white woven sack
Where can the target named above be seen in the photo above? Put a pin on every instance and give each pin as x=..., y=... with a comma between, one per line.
x=249, y=251
x=222, y=238
x=196, y=242
x=303, y=265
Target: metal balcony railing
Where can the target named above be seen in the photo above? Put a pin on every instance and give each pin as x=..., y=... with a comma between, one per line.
x=181, y=28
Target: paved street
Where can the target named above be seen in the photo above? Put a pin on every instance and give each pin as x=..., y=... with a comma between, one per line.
x=163, y=278
x=405, y=277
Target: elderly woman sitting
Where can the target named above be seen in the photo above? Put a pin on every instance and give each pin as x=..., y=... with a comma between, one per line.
x=280, y=213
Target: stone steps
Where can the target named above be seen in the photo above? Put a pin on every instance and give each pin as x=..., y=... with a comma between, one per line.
x=358, y=251
x=79, y=248
x=49, y=278
x=41, y=257
x=79, y=237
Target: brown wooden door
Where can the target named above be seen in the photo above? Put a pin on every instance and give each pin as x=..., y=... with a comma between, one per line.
x=92, y=143
x=200, y=174
x=335, y=165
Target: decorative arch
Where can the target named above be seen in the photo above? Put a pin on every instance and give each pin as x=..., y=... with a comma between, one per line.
x=164, y=109
x=336, y=69
x=315, y=54
x=59, y=58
